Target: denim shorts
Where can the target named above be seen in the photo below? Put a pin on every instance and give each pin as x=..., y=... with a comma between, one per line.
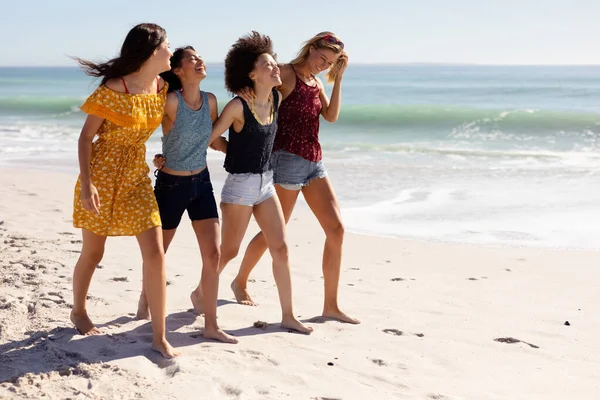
x=248, y=189
x=293, y=172
x=175, y=194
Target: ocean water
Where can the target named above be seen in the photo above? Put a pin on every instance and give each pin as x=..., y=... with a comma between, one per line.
x=476, y=154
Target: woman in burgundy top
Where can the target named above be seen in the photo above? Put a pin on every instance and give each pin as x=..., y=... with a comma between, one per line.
x=297, y=164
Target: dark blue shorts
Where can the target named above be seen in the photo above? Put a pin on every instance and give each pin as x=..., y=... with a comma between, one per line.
x=193, y=193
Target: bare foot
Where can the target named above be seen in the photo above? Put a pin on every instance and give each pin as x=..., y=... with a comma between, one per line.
x=143, y=312
x=218, y=334
x=197, y=301
x=164, y=348
x=295, y=325
x=84, y=325
x=241, y=294
x=340, y=316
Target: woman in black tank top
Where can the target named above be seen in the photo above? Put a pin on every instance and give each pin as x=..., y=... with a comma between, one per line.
x=248, y=190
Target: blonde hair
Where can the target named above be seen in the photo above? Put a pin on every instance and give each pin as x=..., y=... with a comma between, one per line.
x=316, y=42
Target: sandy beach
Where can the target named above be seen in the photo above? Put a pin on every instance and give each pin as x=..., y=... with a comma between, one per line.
x=439, y=321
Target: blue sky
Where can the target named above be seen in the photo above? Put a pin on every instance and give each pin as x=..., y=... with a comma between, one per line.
x=42, y=32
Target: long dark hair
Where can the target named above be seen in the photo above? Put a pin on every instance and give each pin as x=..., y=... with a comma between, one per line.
x=169, y=76
x=139, y=45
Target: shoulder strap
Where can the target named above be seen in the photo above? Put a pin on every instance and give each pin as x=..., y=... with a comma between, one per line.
x=157, y=85
x=244, y=104
x=205, y=100
x=124, y=84
x=275, y=100
x=180, y=100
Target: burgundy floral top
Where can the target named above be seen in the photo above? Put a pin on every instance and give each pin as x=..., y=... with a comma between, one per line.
x=298, y=122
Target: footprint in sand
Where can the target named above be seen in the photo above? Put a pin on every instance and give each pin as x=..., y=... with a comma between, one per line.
x=436, y=396
x=257, y=355
x=231, y=391
x=397, y=279
x=107, y=352
x=512, y=340
x=53, y=300
x=472, y=279
x=120, y=279
x=379, y=362
x=394, y=332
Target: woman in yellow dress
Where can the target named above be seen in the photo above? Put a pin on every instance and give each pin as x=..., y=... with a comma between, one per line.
x=113, y=195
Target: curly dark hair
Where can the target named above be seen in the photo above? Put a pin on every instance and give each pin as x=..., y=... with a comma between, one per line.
x=241, y=59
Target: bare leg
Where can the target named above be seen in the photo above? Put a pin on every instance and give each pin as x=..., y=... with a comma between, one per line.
x=270, y=219
x=257, y=247
x=322, y=201
x=155, y=284
x=143, y=312
x=207, y=234
x=235, y=223
x=91, y=254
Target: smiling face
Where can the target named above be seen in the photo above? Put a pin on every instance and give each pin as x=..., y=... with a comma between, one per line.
x=192, y=67
x=266, y=71
x=321, y=59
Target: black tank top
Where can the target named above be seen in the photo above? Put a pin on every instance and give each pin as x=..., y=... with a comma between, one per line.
x=249, y=151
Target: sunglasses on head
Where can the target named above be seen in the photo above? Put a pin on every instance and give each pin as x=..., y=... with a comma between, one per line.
x=332, y=40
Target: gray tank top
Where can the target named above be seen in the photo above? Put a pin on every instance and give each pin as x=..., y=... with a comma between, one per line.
x=185, y=145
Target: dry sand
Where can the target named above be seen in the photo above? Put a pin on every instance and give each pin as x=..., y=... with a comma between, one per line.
x=439, y=321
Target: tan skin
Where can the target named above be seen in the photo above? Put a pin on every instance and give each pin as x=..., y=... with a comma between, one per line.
x=319, y=195
x=142, y=81
x=191, y=73
x=268, y=214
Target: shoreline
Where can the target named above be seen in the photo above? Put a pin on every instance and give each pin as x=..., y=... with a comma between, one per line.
x=218, y=175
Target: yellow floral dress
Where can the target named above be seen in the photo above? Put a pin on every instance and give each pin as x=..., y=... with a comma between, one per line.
x=118, y=164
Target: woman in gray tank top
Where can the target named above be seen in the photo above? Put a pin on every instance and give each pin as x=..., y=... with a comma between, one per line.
x=183, y=181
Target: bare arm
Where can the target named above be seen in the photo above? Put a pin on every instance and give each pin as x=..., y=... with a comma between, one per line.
x=233, y=114
x=221, y=143
x=89, y=194
x=170, y=113
x=213, y=107
x=331, y=110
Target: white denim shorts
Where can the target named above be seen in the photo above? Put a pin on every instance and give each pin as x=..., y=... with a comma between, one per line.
x=248, y=189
